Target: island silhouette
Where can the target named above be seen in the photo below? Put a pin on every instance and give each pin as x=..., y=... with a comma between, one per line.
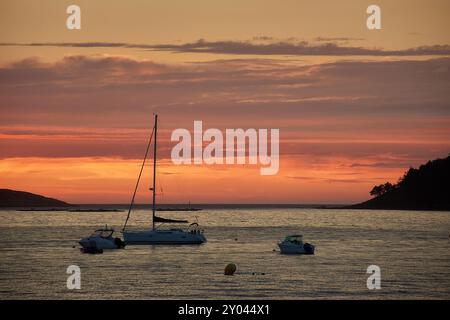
x=14, y=198
x=425, y=188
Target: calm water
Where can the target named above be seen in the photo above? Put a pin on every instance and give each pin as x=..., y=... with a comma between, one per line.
x=411, y=248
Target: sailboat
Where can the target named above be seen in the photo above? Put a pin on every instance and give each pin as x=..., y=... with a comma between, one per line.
x=157, y=235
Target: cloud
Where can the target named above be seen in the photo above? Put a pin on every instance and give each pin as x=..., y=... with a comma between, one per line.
x=303, y=178
x=329, y=180
x=89, y=69
x=102, y=105
x=347, y=181
x=393, y=164
x=258, y=46
x=337, y=39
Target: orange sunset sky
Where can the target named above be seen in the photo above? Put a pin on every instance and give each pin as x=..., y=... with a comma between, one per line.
x=355, y=107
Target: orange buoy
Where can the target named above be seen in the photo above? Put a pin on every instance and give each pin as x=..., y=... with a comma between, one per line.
x=230, y=269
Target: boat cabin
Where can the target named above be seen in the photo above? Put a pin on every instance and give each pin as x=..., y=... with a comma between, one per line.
x=297, y=238
x=103, y=233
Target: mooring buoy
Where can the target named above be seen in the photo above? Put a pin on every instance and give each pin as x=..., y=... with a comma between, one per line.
x=230, y=269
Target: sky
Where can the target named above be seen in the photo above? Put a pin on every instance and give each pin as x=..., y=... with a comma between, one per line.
x=355, y=107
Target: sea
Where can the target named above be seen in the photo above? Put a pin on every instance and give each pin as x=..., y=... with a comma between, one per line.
x=411, y=249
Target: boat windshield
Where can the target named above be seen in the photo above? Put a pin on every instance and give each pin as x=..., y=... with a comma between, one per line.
x=293, y=238
x=104, y=233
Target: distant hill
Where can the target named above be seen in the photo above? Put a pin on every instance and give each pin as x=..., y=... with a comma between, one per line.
x=425, y=188
x=12, y=198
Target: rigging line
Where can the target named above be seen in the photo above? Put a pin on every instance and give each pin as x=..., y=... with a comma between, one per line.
x=139, y=178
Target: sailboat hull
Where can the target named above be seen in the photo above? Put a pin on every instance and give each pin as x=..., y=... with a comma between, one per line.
x=163, y=237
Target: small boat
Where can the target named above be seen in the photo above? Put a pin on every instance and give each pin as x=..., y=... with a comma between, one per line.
x=293, y=244
x=101, y=239
x=156, y=235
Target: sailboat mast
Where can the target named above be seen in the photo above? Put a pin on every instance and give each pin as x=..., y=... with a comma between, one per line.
x=154, y=173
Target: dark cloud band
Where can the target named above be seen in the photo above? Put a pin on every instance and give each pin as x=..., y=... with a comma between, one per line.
x=303, y=48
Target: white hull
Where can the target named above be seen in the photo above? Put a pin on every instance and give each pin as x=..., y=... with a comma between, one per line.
x=163, y=237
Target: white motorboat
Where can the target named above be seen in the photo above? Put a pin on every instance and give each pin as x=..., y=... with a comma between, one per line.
x=157, y=235
x=293, y=244
x=101, y=239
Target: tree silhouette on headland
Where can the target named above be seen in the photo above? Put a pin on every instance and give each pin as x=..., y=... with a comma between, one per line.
x=381, y=189
x=425, y=188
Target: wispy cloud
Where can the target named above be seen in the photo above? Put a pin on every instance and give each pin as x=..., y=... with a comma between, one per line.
x=337, y=39
x=268, y=46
